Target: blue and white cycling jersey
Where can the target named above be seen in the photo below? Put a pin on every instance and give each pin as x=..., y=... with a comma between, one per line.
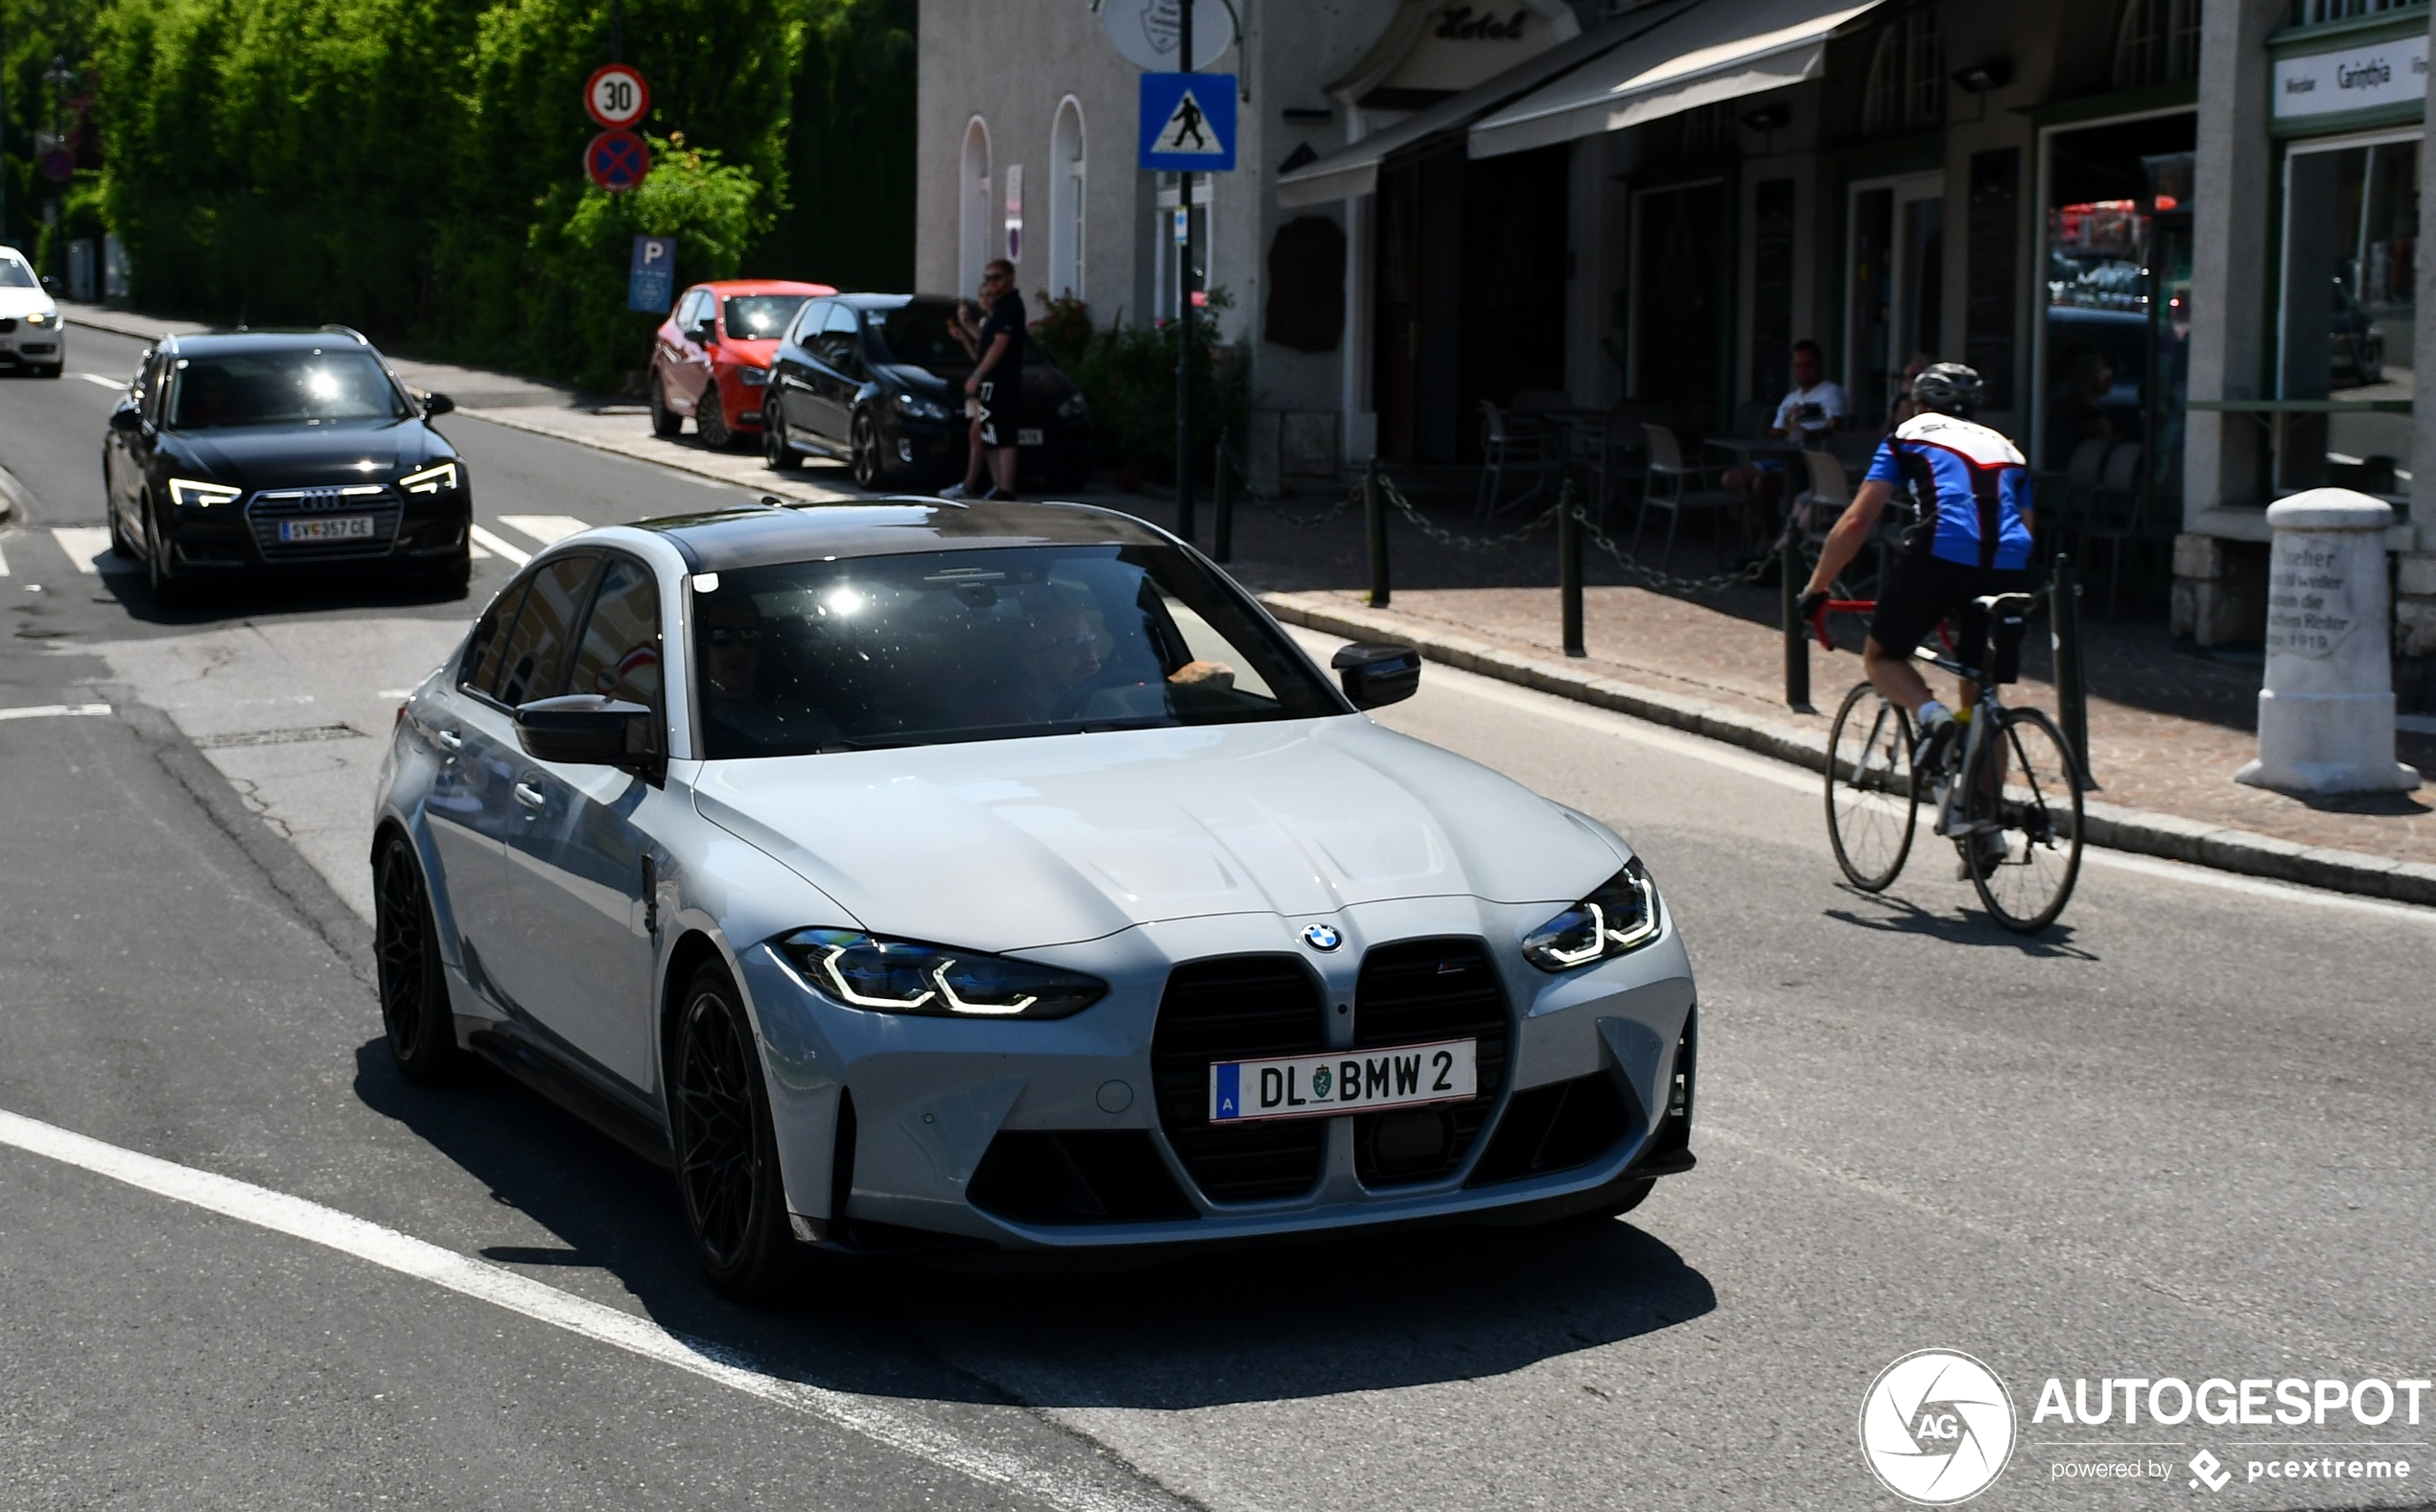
x=1970, y=479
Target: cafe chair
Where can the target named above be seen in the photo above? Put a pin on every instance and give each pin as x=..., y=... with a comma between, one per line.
x=1678, y=490
x=2118, y=514
x=1515, y=444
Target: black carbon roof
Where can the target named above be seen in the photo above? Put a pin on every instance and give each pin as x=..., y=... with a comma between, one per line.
x=732, y=539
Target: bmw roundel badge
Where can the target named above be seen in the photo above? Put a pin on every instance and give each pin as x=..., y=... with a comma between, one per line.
x=1322, y=937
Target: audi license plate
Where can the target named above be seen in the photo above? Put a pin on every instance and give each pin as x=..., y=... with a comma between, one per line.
x=1348, y=1082
x=335, y=527
x=1027, y=435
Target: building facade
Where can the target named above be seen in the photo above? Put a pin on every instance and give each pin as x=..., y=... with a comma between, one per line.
x=2177, y=237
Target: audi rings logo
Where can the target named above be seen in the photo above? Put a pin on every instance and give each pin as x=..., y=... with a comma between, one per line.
x=1936, y=1428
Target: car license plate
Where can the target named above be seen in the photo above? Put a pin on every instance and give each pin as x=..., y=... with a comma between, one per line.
x=1347, y=1082
x=336, y=528
x=1027, y=435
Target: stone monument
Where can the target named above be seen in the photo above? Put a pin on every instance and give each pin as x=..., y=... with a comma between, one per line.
x=2326, y=711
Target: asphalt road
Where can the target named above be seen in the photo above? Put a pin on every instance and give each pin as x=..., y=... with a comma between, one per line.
x=2186, y=1135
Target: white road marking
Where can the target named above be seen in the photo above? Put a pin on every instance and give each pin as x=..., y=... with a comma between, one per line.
x=4, y=562
x=395, y=693
x=55, y=711
x=547, y=529
x=407, y=1255
x=486, y=541
x=103, y=379
x=1794, y=780
x=86, y=545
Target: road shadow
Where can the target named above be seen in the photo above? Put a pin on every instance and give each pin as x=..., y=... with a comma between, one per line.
x=1308, y=1319
x=209, y=602
x=1896, y=915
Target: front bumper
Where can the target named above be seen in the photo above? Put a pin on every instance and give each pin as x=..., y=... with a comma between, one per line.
x=408, y=529
x=1079, y=1134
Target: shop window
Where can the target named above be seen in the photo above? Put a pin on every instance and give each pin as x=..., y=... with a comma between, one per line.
x=1066, y=201
x=2156, y=42
x=2350, y=242
x=1907, y=77
x=972, y=181
x=2317, y=12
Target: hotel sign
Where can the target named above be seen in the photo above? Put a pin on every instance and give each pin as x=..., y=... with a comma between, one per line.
x=2367, y=76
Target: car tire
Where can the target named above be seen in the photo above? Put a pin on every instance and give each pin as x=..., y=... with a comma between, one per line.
x=52, y=371
x=120, y=546
x=168, y=591
x=710, y=419
x=455, y=578
x=870, y=463
x=664, y=421
x=416, y=1020
x=726, y=1147
x=776, y=452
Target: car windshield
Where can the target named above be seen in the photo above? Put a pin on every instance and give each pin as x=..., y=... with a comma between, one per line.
x=15, y=274
x=919, y=334
x=270, y=388
x=985, y=644
x=761, y=317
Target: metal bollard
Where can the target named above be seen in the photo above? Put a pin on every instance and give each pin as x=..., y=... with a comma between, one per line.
x=1375, y=525
x=1789, y=575
x=2072, y=689
x=1222, y=544
x=1569, y=568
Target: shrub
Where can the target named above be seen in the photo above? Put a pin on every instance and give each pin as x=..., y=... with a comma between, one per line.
x=1128, y=372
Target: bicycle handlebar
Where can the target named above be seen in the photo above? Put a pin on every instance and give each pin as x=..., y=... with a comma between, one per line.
x=1837, y=606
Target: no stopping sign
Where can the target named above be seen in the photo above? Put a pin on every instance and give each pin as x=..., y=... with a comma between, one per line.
x=616, y=95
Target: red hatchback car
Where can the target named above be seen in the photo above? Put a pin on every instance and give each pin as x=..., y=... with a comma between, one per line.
x=711, y=356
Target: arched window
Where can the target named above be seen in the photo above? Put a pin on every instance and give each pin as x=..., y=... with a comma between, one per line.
x=1066, y=201
x=2156, y=43
x=972, y=194
x=1907, y=77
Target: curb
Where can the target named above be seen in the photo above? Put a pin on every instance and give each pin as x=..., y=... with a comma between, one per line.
x=2111, y=825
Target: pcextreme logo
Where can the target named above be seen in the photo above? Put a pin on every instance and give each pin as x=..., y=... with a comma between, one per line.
x=1936, y=1428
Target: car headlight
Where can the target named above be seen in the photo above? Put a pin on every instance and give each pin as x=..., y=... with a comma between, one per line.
x=753, y=377
x=1074, y=408
x=41, y=317
x=196, y=492
x=1622, y=916
x=903, y=976
x=437, y=479
x=920, y=408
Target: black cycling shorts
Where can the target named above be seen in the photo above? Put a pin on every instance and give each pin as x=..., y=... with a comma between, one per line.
x=999, y=424
x=1921, y=590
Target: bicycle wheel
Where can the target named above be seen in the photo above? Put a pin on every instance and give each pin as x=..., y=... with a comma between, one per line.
x=1871, y=799
x=2033, y=803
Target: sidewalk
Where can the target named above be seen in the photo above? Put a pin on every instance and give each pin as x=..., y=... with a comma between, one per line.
x=2169, y=724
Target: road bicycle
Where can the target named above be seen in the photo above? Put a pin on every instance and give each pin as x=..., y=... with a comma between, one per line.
x=2007, y=791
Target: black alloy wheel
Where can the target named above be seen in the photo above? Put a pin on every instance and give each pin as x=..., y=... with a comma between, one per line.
x=120, y=546
x=414, y=1007
x=664, y=421
x=727, y=1153
x=777, y=453
x=710, y=418
x=871, y=467
x=455, y=579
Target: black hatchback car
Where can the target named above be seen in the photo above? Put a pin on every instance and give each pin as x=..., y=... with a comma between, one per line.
x=282, y=450
x=878, y=380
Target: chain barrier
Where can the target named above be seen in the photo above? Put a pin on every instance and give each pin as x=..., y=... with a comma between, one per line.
x=1240, y=480
x=1456, y=538
x=1751, y=571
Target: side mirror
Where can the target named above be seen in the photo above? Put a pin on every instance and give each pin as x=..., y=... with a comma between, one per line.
x=589, y=730
x=126, y=417
x=49, y=283
x=703, y=335
x=436, y=404
x=1376, y=674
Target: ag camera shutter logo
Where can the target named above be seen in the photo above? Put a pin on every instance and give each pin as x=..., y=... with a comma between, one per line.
x=1936, y=1428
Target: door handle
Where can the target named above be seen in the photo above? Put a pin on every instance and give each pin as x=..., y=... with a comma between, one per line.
x=449, y=740
x=530, y=796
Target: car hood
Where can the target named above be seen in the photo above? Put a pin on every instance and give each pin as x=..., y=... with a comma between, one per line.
x=920, y=380
x=291, y=455
x=747, y=354
x=18, y=303
x=1020, y=844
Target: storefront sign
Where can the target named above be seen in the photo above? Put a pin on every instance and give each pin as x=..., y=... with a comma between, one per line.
x=2392, y=72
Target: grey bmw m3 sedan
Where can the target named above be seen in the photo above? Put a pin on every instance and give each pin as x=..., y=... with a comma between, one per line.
x=908, y=876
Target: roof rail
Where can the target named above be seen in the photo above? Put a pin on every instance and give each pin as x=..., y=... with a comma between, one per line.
x=348, y=331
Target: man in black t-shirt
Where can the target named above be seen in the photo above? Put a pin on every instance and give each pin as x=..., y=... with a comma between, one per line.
x=998, y=378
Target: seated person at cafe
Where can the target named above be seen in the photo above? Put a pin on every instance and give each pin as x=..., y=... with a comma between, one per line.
x=1814, y=410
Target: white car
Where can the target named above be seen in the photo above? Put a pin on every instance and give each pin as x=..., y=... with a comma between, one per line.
x=32, y=333
x=912, y=874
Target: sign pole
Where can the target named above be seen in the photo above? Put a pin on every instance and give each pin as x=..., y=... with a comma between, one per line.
x=1185, y=308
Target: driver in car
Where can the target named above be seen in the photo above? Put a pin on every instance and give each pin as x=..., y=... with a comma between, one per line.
x=733, y=635
x=1061, y=661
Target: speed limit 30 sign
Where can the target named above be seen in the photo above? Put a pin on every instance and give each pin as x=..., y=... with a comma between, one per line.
x=616, y=95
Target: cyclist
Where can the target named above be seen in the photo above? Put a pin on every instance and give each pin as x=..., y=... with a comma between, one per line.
x=1973, y=539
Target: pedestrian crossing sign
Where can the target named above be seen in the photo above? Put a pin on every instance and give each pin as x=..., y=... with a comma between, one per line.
x=1188, y=123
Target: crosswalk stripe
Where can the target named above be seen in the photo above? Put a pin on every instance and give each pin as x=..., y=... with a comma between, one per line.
x=84, y=544
x=486, y=541
x=103, y=379
x=55, y=711
x=547, y=529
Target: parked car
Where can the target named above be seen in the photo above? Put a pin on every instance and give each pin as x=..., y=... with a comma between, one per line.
x=288, y=451
x=910, y=874
x=711, y=358
x=878, y=380
x=33, y=337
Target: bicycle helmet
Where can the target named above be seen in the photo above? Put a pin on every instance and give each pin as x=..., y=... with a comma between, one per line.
x=1948, y=388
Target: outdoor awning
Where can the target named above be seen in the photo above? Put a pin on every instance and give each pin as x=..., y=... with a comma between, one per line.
x=1354, y=170
x=1715, y=51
